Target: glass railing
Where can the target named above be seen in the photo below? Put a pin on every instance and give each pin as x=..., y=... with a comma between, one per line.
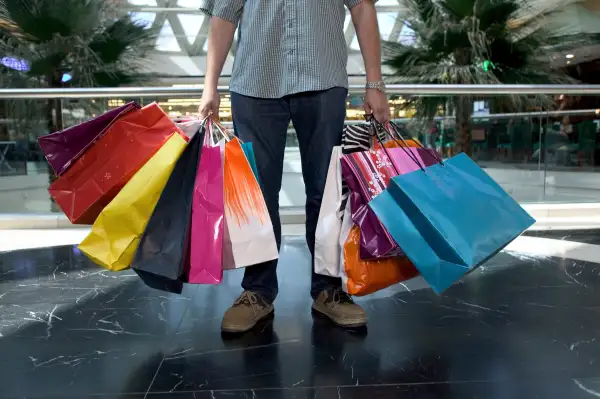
x=547, y=152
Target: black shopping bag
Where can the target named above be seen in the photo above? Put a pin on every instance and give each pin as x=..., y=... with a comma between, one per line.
x=162, y=257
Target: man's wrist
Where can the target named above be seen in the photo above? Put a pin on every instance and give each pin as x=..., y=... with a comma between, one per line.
x=376, y=85
x=373, y=74
x=211, y=84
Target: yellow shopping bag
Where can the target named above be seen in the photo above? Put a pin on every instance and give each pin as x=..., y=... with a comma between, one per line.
x=115, y=235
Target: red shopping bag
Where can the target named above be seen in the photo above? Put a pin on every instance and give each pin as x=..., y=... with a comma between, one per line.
x=62, y=148
x=97, y=176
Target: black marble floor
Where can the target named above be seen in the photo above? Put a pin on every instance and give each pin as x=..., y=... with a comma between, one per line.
x=583, y=236
x=519, y=327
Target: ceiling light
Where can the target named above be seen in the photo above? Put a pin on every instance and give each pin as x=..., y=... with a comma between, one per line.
x=15, y=63
x=569, y=56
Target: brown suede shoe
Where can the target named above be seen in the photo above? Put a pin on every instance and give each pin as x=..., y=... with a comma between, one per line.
x=246, y=311
x=340, y=308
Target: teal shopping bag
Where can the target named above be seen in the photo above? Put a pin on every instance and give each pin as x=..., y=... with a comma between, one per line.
x=249, y=152
x=449, y=218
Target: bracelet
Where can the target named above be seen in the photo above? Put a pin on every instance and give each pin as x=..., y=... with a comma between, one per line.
x=379, y=85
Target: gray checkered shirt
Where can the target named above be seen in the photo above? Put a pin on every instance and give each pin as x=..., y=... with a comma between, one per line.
x=286, y=46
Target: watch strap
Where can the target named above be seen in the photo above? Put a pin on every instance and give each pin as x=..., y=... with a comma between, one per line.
x=379, y=85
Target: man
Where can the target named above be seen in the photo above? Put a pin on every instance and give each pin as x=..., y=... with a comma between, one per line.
x=291, y=66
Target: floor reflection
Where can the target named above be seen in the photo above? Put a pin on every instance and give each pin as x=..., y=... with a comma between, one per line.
x=521, y=326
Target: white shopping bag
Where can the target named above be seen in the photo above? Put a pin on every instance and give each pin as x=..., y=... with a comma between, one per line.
x=189, y=127
x=347, y=224
x=248, y=237
x=327, y=252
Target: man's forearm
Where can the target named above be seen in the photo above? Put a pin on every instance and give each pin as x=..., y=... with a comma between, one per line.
x=364, y=18
x=220, y=38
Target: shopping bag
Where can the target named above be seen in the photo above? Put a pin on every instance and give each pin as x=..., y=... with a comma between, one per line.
x=449, y=218
x=249, y=238
x=249, y=152
x=206, y=249
x=362, y=277
x=361, y=137
x=367, y=174
x=97, y=176
x=356, y=138
x=375, y=241
x=163, y=253
x=62, y=148
x=329, y=224
x=115, y=235
x=189, y=127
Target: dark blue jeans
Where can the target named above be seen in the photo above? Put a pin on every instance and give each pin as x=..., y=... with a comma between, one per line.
x=318, y=118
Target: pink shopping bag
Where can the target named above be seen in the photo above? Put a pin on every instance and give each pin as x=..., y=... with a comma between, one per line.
x=208, y=208
x=367, y=175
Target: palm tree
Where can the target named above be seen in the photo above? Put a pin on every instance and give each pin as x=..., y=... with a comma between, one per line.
x=90, y=41
x=476, y=42
x=59, y=43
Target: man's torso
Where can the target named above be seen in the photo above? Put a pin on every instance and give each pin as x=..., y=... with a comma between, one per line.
x=290, y=46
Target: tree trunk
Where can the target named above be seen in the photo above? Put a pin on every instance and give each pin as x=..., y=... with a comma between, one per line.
x=4, y=115
x=462, y=140
x=54, y=122
x=464, y=109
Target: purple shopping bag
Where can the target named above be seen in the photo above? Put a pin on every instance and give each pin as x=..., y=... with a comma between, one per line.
x=368, y=174
x=64, y=147
x=208, y=209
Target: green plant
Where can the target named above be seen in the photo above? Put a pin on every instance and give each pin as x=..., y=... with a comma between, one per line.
x=477, y=42
x=90, y=40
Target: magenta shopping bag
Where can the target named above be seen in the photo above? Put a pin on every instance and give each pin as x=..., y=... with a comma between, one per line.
x=64, y=147
x=208, y=208
x=368, y=174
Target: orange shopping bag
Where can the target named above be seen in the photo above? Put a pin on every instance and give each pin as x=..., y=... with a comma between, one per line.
x=368, y=276
x=248, y=236
x=362, y=277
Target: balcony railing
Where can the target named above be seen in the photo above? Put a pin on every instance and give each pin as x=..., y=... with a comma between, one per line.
x=538, y=156
x=397, y=89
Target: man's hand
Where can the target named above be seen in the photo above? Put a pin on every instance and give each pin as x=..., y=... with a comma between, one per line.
x=376, y=103
x=364, y=18
x=210, y=103
x=220, y=37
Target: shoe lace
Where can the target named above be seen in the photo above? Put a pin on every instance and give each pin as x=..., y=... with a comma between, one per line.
x=341, y=297
x=248, y=298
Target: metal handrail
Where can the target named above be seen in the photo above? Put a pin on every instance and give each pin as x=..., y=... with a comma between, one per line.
x=475, y=117
x=418, y=90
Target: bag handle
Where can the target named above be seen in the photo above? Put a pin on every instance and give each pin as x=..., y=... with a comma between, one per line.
x=379, y=126
x=225, y=133
x=397, y=129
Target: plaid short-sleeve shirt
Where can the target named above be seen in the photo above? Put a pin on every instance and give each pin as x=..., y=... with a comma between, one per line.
x=286, y=46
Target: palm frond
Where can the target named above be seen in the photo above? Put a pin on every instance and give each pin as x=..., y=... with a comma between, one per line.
x=455, y=37
x=86, y=38
x=479, y=42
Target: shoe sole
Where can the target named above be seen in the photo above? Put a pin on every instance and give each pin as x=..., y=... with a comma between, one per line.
x=356, y=323
x=242, y=329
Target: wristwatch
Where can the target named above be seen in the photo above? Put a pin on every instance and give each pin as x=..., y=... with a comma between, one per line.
x=379, y=85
